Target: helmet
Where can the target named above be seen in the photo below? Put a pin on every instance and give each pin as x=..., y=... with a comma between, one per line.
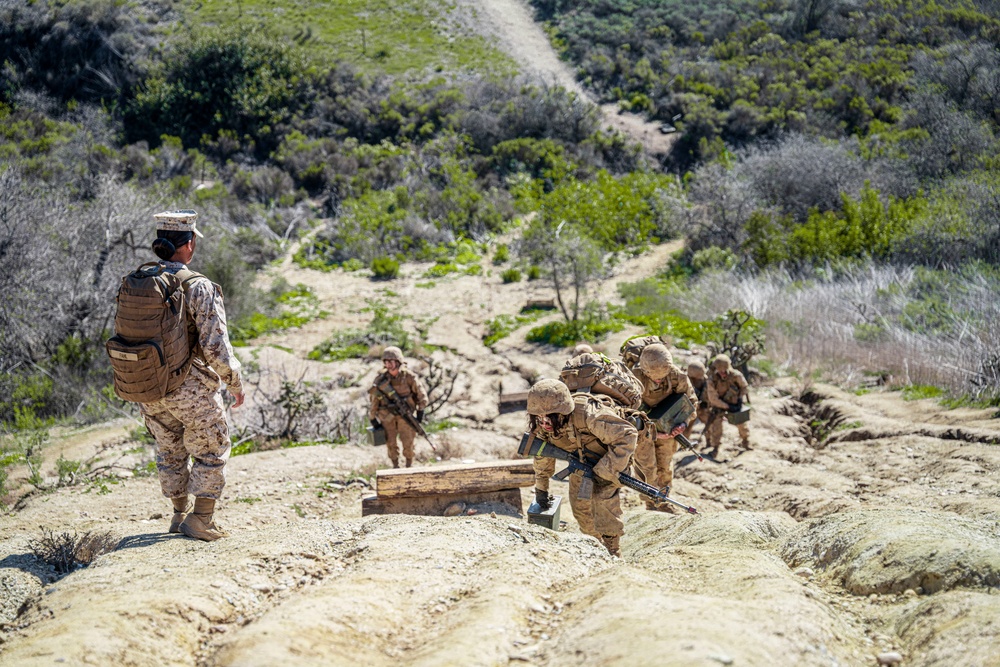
x=696, y=369
x=655, y=361
x=722, y=362
x=549, y=396
x=582, y=348
x=392, y=353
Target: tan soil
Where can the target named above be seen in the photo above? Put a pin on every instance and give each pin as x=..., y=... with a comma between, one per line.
x=859, y=524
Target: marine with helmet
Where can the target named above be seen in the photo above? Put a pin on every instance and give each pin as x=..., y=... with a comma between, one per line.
x=587, y=424
x=727, y=389
x=396, y=377
x=660, y=378
x=699, y=383
x=546, y=467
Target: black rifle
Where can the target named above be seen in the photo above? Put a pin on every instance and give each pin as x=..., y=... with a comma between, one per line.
x=398, y=405
x=533, y=446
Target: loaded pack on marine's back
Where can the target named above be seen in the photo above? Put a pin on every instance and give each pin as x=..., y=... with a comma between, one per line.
x=152, y=349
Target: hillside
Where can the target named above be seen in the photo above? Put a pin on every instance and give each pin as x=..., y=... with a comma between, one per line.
x=855, y=528
x=392, y=199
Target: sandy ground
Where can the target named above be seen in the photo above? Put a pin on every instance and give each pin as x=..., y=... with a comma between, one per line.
x=860, y=527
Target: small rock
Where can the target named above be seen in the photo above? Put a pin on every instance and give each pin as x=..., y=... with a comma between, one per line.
x=218, y=629
x=154, y=517
x=804, y=572
x=493, y=515
x=454, y=509
x=909, y=593
x=889, y=658
x=471, y=512
x=721, y=658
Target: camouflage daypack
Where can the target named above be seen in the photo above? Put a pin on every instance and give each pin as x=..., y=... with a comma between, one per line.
x=595, y=373
x=151, y=349
x=633, y=347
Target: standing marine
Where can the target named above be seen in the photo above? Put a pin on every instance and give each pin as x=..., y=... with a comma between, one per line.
x=727, y=389
x=661, y=379
x=189, y=423
x=589, y=426
x=396, y=394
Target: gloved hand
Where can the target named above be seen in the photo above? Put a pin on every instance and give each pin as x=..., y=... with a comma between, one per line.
x=375, y=423
x=736, y=407
x=604, y=470
x=420, y=416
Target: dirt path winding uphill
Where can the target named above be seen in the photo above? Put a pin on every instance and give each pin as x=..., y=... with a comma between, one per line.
x=510, y=22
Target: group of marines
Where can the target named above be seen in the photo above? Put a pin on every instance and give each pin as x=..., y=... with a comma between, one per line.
x=594, y=425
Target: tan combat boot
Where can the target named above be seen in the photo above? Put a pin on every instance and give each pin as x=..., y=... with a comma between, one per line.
x=409, y=462
x=746, y=444
x=199, y=524
x=611, y=544
x=395, y=463
x=180, y=508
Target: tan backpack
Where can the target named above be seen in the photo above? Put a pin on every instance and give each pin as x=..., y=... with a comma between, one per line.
x=151, y=350
x=596, y=374
x=633, y=347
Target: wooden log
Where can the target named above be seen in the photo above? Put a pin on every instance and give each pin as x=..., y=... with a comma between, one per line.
x=541, y=304
x=435, y=505
x=514, y=402
x=454, y=479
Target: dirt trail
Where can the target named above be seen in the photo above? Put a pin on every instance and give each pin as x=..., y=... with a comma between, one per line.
x=859, y=526
x=511, y=24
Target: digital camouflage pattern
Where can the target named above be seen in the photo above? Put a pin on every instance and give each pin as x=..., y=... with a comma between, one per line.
x=721, y=392
x=411, y=390
x=597, y=428
x=654, y=456
x=190, y=422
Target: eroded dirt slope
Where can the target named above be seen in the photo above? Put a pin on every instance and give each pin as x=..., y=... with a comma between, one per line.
x=859, y=526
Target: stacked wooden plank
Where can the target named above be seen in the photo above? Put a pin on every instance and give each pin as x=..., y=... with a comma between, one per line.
x=431, y=490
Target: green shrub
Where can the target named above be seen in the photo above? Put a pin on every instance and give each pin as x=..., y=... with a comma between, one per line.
x=502, y=254
x=386, y=328
x=568, y=334
x=501, y=326
x=916, y=392
x=534, y=272
x=237, y=78
x=511, y=275
x=385, y=268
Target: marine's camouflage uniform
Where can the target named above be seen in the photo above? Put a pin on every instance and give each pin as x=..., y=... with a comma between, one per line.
x=604, y=432
x=654, y=458
x=409, y=387
x=190, y=421
x=702, y=411
x=721, y=392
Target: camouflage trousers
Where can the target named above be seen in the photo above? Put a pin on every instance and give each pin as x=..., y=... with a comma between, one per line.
x=715, y=431
x=394, y=424
x=601, y=514
x=189, y=425
x=654, y=461
x=544, y=469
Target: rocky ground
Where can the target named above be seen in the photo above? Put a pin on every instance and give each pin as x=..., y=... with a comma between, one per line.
x=862, y=529
x=860, y=526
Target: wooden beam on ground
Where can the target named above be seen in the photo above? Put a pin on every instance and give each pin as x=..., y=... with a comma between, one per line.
x=457, y=479
x=514, y=402
x=435, y=505
x=543, y=304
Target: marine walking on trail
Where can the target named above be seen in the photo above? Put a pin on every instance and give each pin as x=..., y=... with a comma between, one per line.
x=660, y=379
x=726, y=393
x=590, y=427
x=397, y=400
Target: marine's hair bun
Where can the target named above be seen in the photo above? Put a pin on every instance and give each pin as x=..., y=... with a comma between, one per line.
x=163, y=248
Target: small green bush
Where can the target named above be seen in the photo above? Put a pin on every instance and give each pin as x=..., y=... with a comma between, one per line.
x=385, y=268
x=502, y=254
x=568, y=334
x=534, y=273
x=916, y=392
x=511, y=276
